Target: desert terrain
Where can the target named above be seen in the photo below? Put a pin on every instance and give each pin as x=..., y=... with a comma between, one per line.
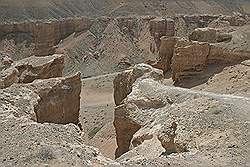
x=124, y=83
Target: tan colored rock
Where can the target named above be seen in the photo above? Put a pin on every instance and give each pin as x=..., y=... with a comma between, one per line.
x=59, y=99
x=32, y=68
x=219, y=54
x=5, y=61
x=189, y=60
x=46, y=35
x=124, y=81
x=166, y=53
x=210, y=35
x=204, y=127
x=122, y=87
x=161, y=27
x=8, y=77
x=24, y=142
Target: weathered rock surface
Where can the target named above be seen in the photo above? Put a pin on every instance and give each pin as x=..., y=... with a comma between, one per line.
x=31, y=68
x=34, y=67
x=8, y=75
x=210, y=35
x=45, y=35
x=161, y=27
x=122, y=87
x=59, y=99
x=190, y=128
x=221, y=54
x=27, y=143
x=189, y=60
x=55, y=100
x=124, y=81
x=166, y=53
x=24, y=142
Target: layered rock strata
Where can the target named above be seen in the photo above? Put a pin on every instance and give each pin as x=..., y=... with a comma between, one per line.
x=46, y=35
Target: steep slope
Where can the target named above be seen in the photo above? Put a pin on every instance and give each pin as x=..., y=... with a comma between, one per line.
x=54, y=9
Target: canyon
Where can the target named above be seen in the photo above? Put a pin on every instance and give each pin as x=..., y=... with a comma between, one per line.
x=124, y=83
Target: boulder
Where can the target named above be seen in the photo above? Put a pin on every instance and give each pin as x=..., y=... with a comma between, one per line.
x=124, y=81
x=54, y=100
x=34, y=67
x=59, y=99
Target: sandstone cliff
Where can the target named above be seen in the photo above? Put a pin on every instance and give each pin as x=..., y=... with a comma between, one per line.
x=45, y=34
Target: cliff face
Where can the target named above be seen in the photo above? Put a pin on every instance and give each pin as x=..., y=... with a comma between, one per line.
x=46, y=35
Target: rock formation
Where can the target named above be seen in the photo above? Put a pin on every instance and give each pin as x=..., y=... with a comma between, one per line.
x=202, y=126
x=161, y=27
x=210, y=35
x=122, y=88
x=31, y=68
x=26, y=142
x=189, y=60
x=46, y=35
x=166, y=53
x=59, y=99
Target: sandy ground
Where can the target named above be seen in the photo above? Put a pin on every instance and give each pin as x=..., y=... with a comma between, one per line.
x=97, y=111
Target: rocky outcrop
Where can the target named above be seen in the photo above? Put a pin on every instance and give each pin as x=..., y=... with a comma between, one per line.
x=122, y=88
x=55, y=100
x=203, y=126
x=219, y=54
x=31, y=68
x=34, y=67
x=210, y=35
x=59, y=99
x=124, y=81
x=189, y=60
x=46, y=35
x=24, y=142
x=166, y=53
x=161, y=27
x=8, y=75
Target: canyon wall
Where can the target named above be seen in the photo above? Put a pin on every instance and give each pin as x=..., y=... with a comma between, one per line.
x=46, y=34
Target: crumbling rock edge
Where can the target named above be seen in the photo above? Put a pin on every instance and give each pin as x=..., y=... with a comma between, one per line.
x=189, y=121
